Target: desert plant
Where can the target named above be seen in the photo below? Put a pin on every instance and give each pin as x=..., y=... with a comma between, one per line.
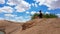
x=44, y=16
x=49, y=16
x=34, y=16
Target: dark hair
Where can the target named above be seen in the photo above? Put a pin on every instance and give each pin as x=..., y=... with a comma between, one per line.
x=40, y=11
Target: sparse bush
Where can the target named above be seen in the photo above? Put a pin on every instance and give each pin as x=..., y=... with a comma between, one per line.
x=34, y=16
x=49, y=16
x=44, y=16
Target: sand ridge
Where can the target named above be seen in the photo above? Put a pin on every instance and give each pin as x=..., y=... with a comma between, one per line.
x=36, y=26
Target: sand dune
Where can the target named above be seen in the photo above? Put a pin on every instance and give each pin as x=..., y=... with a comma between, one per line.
x=9, y=26
x=36, y=26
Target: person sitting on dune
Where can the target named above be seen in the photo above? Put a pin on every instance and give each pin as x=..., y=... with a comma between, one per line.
x=40, y=14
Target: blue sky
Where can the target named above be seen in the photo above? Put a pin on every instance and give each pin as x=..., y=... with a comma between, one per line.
x=21, y=10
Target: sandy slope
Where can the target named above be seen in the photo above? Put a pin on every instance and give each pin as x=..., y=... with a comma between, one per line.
x=9, y=26
x=46, y=26
x=36, y=26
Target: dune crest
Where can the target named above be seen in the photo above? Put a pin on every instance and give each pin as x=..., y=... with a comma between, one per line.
x=36, y=26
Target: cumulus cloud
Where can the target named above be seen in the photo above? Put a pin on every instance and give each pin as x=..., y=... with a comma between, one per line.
x=52, y=4
x=6, y=9
x=10, y=15
x=14, y=2
x=20, y=19
x=34, y=5
x=33, y=12
x=2, y=1
x=58, y=15
x=21, y=5
x=15, y=18
x=27, y=12
x=47, y=12
x=11, y=2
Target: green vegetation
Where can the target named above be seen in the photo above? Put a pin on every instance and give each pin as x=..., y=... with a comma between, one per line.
x=34, y=16
x=44, y=16
x=49, y=16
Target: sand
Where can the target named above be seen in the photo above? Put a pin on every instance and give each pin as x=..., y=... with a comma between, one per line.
x=36, y=26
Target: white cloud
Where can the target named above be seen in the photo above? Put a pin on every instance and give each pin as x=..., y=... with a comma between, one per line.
x=34, y=5
x=20, y=9
x=10, y=15
x=21, y=5
x=14, y=18
x=11, y=2
x=27, y=12
x=47, y=12
x=2, y=1
x=39, y=13
x=33, y=12
x=52, y=4
x=14, y=2
x=20, y=19
x=58, y=15
x=6, y=9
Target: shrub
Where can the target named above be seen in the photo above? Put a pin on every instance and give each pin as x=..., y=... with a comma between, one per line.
x=34, y=16
x=44, y=16
x=49, y=16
